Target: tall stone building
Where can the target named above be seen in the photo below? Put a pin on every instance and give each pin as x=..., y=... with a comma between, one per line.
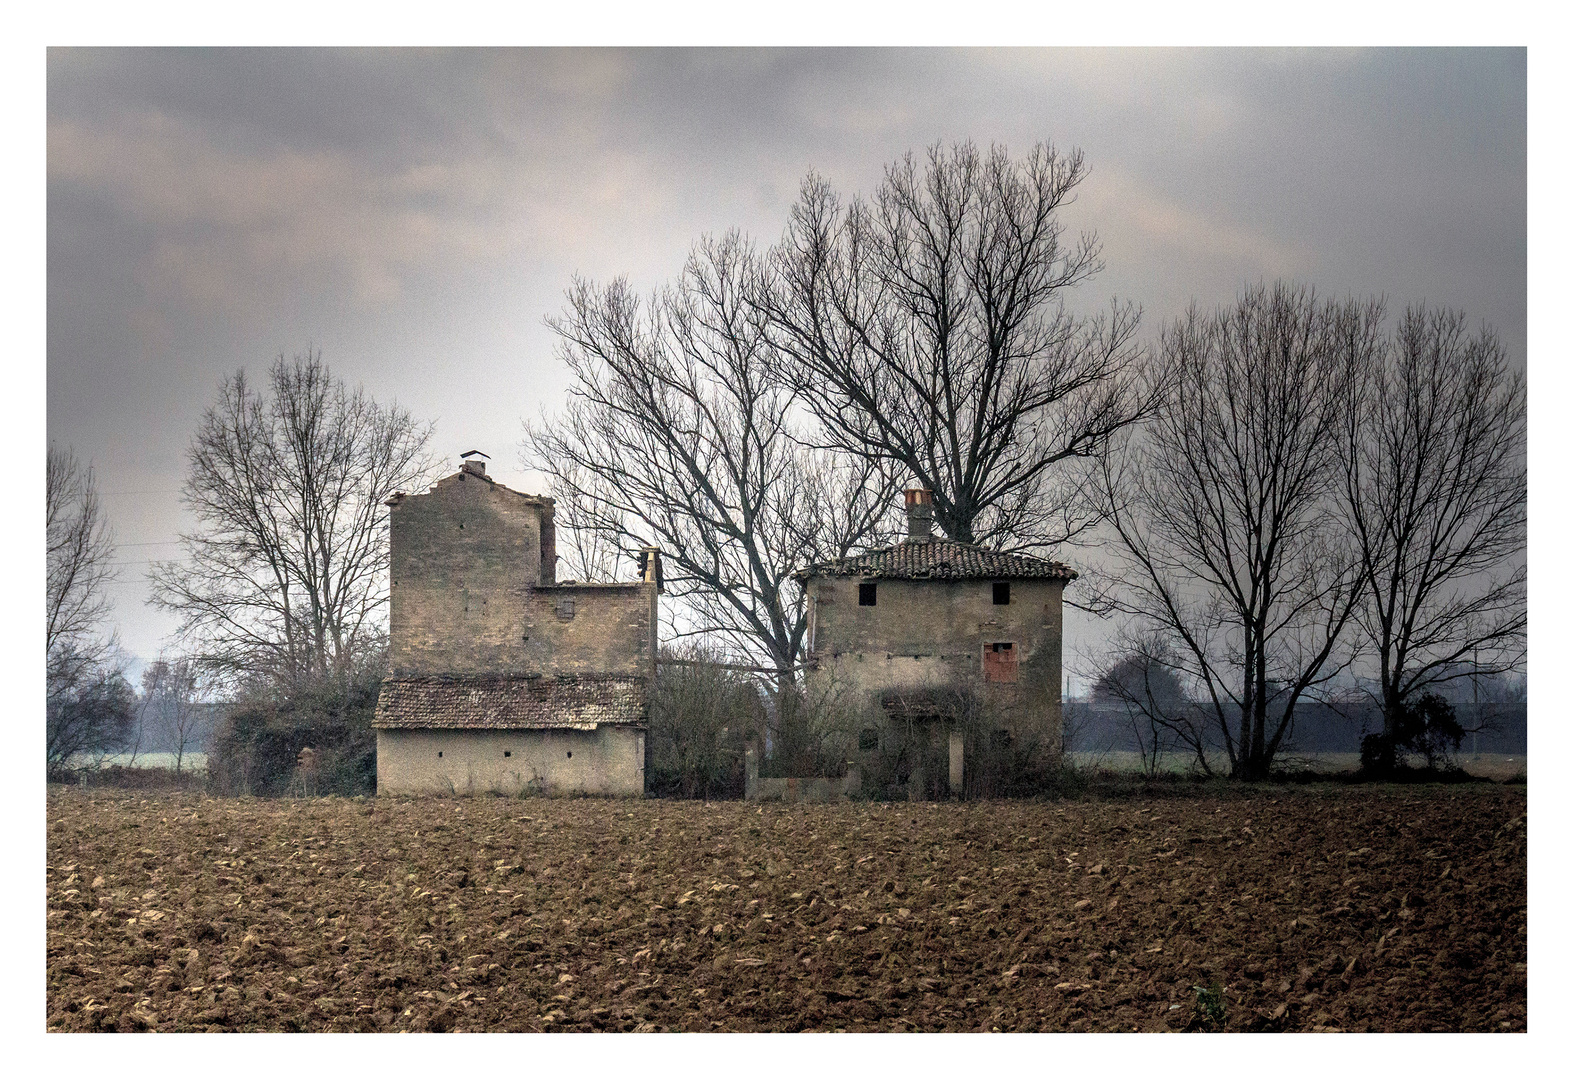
x=953, y=640
x=501, y=678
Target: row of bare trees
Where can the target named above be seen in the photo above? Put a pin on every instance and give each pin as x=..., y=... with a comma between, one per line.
x=1314, y=495
x=1279, y=493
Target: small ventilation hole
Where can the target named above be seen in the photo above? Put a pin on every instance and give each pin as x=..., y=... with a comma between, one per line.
x=571, y=753
x=508, y=753
x=439, y=753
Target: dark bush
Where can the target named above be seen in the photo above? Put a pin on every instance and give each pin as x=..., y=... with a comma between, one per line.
x=257, y=739
x=701, y=717
x=1426, y=726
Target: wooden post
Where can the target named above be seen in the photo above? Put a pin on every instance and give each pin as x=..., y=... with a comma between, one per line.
x=956, y=764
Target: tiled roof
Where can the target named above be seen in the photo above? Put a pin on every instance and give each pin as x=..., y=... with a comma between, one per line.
x=512, y=702
x=940, y=559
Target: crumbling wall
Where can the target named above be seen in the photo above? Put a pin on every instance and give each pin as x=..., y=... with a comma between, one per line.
x=473, y=593
x=936, y=633
x=466, y=561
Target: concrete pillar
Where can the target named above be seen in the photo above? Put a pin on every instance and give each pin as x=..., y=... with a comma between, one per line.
x=956, y=764
x=751, y=775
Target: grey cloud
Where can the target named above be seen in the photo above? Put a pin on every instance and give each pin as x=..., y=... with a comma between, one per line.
x=415, y=213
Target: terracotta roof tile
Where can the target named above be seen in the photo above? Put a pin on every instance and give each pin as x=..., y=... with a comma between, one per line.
x=512, y=702
x=941, y=559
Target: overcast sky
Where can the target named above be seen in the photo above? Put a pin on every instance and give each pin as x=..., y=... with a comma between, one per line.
x=415, y=215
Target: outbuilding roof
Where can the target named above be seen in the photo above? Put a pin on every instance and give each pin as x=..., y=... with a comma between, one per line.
x=512, y=702
x=939, y=559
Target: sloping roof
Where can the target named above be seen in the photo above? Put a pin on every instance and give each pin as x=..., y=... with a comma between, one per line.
x=512, y=701
x=462, y=477
x=938, y=559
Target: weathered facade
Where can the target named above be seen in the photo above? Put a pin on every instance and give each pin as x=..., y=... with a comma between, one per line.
x=500, y=678
x=927, y=624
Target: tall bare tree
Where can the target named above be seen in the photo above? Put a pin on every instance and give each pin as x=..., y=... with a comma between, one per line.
x=286, y=575
x=928, y=328
x=1224, y=507
x=677, y=433
x=1434, y=495
x=79, y=561
x=87, y=701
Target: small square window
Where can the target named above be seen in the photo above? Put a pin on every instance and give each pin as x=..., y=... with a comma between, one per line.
x=1002, y=592
x=866, y=594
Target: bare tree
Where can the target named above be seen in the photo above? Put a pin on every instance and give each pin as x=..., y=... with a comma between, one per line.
x=1434, y=496
x=172, y=692
x=678, y=434
x=1142, y=681
x=929, y=329
x=1224, y=508
x=87, y=701
x=79, y=560
x=286, y=575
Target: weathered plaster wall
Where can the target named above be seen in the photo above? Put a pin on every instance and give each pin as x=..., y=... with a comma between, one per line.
x=934, y=632
x=609, y=760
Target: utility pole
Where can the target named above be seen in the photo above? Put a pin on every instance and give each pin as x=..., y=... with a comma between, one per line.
x=1475, y=701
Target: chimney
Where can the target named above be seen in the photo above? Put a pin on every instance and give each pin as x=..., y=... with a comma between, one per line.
x=920, y=515
x=650, y=567
x=470, y=462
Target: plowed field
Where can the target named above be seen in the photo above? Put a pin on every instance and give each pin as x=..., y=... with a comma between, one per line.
x=1313, y=908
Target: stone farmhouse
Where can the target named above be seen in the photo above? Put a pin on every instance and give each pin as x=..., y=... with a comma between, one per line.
x=946, y=637
x=501, y=679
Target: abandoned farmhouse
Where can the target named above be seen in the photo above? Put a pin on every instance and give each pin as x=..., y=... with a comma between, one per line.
x=500, y=678
x=503, y=680
x=956, y=642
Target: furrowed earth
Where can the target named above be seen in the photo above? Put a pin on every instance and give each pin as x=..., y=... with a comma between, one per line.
x=1324, y=907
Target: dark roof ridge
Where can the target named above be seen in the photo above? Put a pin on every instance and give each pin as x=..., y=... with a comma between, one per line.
x=939, y=558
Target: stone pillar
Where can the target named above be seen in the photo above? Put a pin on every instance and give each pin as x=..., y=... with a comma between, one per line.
x=956, y=764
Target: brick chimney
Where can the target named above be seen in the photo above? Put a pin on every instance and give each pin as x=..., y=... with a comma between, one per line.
x=471, y=462
x=920, y=515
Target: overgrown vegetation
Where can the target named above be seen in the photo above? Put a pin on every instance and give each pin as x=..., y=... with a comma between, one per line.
x=257, y=741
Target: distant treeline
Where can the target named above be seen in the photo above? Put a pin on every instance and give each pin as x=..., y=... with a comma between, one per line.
x=1319, y=728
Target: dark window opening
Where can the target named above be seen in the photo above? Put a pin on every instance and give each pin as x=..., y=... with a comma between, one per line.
x=866, y=594
x=508, y=753
x=439, y=753
x=869, y=739
x=1002, y=592
x=571, y=753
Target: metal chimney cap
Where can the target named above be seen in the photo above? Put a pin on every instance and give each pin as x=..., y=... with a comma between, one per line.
x=475, y=453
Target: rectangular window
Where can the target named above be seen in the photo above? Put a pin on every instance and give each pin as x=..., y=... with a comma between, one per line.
x=1000, y=662
x=866, y=594
x=1002, y=592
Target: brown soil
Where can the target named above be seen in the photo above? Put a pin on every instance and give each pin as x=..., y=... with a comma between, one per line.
x=1340, y=907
